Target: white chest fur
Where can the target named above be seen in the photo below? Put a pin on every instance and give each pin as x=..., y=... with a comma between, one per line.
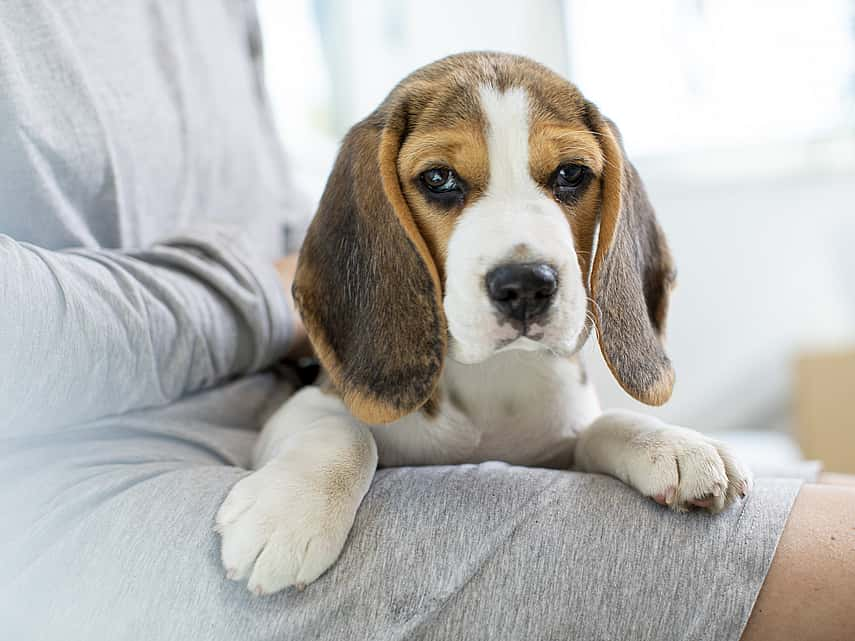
x=518, y=406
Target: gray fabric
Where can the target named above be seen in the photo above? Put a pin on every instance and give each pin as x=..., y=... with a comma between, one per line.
x=118, y=544
x=135, y=151
x=136, y=133
x=145, y=326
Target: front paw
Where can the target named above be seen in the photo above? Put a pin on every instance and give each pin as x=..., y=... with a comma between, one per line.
x=283, y=527
x=684, y=469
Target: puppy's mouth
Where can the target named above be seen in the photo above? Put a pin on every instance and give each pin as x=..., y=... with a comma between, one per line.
x=521, y=334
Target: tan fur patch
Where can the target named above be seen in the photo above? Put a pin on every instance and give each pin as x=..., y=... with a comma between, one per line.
x=552, y=144
x=465, y=151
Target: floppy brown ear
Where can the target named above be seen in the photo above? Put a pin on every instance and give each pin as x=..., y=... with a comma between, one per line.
x=366, y=285
x=632, y=277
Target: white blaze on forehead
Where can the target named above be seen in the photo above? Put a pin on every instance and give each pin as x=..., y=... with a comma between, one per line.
x=513, y=220
x=507, y=139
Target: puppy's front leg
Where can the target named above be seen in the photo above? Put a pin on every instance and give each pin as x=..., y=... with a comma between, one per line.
x=675, y=466
x=286, y=523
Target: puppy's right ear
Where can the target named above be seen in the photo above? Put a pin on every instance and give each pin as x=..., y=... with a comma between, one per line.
x=366, y=285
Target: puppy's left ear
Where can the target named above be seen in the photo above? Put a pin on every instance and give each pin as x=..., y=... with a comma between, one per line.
x=632, y=276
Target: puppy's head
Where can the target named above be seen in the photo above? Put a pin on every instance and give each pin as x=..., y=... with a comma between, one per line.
x=484, y=206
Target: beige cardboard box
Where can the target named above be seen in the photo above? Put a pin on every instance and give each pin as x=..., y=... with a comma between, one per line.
x=825, y=408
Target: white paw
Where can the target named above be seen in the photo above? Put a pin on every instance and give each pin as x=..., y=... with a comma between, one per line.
x=282, y=526
x=684, y=469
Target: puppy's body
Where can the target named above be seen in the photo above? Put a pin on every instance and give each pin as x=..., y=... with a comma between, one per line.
x=529, y=414
x=485, y=211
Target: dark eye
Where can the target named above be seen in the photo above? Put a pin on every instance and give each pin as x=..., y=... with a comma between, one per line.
x=440, y=180
x=569, y=179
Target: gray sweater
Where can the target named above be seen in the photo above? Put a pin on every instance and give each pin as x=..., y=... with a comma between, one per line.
x=142, y=202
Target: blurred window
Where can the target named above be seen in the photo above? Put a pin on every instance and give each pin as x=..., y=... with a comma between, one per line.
x=678, y=76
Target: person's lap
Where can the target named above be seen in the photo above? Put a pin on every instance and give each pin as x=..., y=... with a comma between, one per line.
x=113, y=538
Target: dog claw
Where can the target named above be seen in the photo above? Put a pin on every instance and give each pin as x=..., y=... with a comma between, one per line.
x=667, y=498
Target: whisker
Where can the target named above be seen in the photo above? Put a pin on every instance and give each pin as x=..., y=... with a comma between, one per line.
x=596, y=305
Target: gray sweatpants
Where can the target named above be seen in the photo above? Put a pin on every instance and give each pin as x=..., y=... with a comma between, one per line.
x=108, y=535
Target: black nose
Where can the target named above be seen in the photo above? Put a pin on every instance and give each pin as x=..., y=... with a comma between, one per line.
x=522, y=291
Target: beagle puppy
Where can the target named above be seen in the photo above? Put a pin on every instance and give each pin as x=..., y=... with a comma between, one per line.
x=474, y=230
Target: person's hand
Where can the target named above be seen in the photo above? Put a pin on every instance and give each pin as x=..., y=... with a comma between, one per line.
x=300, y=346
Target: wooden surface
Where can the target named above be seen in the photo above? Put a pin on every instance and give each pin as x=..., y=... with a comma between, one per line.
x=825, y=408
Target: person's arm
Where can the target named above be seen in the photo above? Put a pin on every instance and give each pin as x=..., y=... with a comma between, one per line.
x=89, y=333
x=810, y=588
